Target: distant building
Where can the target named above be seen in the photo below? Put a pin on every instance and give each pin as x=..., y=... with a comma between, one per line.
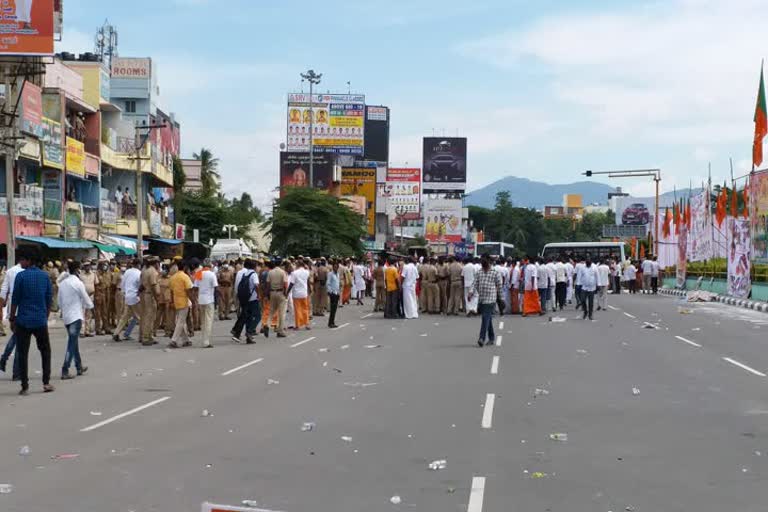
x=596, y=208
x=193, y=170
x=570, y=209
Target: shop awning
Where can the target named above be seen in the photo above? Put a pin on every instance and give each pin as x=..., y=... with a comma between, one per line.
x=114, y=249
x=169, y=241
x=56, y=243
x=124, y=241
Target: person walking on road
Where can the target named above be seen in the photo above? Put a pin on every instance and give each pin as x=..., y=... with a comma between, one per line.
x=6, y=298
x=207, y=286
x=410, y=302
x=630, y=276
x=588, y=277
x=603, y=280
x=531, y=301
x=392, y=280
x=247, y=287
x=333, y=288
x=456, y=291
x=130, y=285
x=561, y=284
x=73, y=300
x=277, y=280
x=226, y=279
x=298, y=287
x=655, y=275
x=468, y=275
x=150, y=293
x=488, y=289
x=380, y=286
x=181, y=295
x=647, y=268
x=30, y=306
x=90, y=280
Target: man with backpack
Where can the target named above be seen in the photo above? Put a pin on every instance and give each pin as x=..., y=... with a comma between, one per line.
x=247, y=284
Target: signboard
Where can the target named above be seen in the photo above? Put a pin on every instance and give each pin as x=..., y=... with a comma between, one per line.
x=402, y=191
x=108, y=215
x=700, y=234
x=294, y=170
x=29, y=205
x=104, y=85
x=739, y=258
x=131, y=68
x=75, y=157
x=377, y=113
x=180, y=232
x=26, y=27
x=155, y=223
x=72, y=220
x=53, y=154
x=445, y=163
x=31, y=109
x=758, y=214
x=442, y=220
x=337, y=127
x=360, y=181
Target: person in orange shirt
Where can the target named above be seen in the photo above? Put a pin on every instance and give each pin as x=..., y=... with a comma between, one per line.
x=181, y=296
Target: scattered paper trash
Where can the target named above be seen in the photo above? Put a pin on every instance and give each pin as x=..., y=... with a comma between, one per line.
x=745, y=470
x=24, y=450
x=373, y=346
x=557, y=319
x=6, y=488
x=124, y=374
x=322, y=350
x=648, y=325
x=424, y=335
x=337, y=370
x=250, y=503
x=635, y=391
x=538, y=474
x=696, y=329
x=206, y=413
x=559, y=436
x=758, y=453
x=273, y=381
x=582, y=351
x=359, y=384
x=684, y=311
x=451, y=490
x=344, y=347
x=95, y=413
x=308, y=426
x=540, y=392
x=209, y=466
x=325, y=363
x=346, y=438
x=65, y=456
x=438, y=464
x=395, y=500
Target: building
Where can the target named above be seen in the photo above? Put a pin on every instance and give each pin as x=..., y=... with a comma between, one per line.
x=570, y=209
x=193, y=172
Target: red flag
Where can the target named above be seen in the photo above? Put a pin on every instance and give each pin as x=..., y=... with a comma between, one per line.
x=676, y=216
x=761, y=124
x=722, y=200
x=734, y=203
x=667, y=220
x=683, y=220
x=633, y=247
x=745, y=195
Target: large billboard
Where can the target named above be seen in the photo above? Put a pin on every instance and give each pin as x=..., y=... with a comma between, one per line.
x=338, y=125
x=445, y=163
x=758, y=214
x=26, y=27
x=402, y=191
x=294, y=170
x=377, y=133
x=633, y=211
x=361, y=181
x=442, y=220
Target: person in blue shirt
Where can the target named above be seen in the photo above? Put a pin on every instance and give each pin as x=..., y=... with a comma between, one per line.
x=333, y=287
x=30, y=307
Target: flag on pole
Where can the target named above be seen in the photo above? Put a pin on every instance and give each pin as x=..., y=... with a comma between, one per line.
x=667, y=220
x=676, y=216
x=721, y=208
x=688, y=214
x=633, y=247
x=734, y=203
x=761, y=124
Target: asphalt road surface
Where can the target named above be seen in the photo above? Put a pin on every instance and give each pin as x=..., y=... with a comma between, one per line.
x=388, y=397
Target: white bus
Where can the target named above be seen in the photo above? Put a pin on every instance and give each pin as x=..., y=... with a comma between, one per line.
x=500, y=249
x=595, y=250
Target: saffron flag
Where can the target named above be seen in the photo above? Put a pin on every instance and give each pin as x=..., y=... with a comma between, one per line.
x=688, y=214
x=667, y=220
x=720, y=211
x=676, y=216
x=761, y=124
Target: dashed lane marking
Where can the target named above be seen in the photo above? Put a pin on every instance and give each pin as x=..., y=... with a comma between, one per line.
x=476, y=494
x=743, y=366
x=124, y=414
x=495, y=365
x=490, y=398
x=242, y=366
x=691, y=343
x=302, y=342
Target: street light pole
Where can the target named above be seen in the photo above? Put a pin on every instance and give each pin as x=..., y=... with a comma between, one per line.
x=313, y=79
x=228, y=228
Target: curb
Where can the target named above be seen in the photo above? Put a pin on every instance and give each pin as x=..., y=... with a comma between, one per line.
x=754, y=305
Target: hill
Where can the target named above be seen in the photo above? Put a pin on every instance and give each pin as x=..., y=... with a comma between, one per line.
x=535, y=194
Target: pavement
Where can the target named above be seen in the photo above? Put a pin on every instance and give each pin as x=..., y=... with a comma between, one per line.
x=388, y=397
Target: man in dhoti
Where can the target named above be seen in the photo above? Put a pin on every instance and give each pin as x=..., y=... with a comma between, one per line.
x=468, y=273
x=531, y=301
x=410, y=302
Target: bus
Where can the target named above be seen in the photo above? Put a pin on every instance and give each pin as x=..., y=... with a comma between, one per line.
x=595, y=250
x=500, y=249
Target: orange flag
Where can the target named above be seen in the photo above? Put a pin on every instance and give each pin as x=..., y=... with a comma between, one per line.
x=642, y=251
x=720, y=211
x=688, y=214
x=633, y=247
x=667, y=221
x=676, y=216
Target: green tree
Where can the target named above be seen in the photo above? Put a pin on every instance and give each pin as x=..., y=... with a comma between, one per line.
x=309, y=222
x=206, y=214
x=209, y=172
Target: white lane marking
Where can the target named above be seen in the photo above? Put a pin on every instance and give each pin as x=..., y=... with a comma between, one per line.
x=498, y=340
x=368, y=315
x=124, y=414
x=302, y=342
x=692, y=343
x=627, y=314
x=490, y=398
x=744, y=367
x=612, y=307
x=476, y=494
x=342, y=325
x=246, y=365
x=501, y=325
x=495, y=365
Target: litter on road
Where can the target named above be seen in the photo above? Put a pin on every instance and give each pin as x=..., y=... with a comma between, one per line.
x=273, y=381
x=95, y=413
x=65, y=456
x=322, y=350
x=360, y=384
x=581, y=351
x=346, y=438
x=308, y=426
x=6, y=488
x=24, y=450
x=206, y=413
x=438, y=464
x=635, y=391
x=395, y=500
x=561, y=437
x=557, y=319
x=540, y=392
x=250, y=503
x=344, y=347
x=373, y=346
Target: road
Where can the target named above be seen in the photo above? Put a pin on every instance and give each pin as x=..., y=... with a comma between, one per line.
x=390, y=396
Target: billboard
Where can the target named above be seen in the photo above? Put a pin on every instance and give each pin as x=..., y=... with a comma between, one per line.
x=26, y=27
x=758, y=214
x=402, y=191
x=361, y=181
x=700, y=235
x=337, y=127
x=739, y=258
x=445, y=163
x=31, y=109
x=131, y=68
x=442, y=220
x=75, y=157
x=376, y=134
x=294, y=170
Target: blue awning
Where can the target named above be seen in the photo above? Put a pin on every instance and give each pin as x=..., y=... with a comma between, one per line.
x=169, y=241
x=56, y=243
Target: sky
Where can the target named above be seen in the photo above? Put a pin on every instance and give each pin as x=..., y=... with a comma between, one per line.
x=542, y=90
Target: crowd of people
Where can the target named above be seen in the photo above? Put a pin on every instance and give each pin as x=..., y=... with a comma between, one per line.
x=179, y=298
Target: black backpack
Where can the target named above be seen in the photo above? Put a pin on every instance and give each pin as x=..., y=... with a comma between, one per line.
x=244, y=290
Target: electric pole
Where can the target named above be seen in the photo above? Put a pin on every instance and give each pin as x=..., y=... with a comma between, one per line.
x=141, y=139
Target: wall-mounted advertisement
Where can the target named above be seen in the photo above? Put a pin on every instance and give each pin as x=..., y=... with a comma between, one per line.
x=131, y=68
x=294, y=170
x=445, y=163
x=31, y=110
x=739, y=258
x=758, y=214
x=53, y=153
x=337, y=123
x=26, y=27
x=442, y=220
x=402, y=191
x=75, y=157
x=361, y=181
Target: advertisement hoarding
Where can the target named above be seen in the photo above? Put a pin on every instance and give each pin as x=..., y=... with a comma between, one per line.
x=131, y=68
x=758, y=214
x=108, y=215
x=294, y=170
x=700, y=234
x=31, y=110
x=337, y=127
x=376, y=133
x=402, y=191
x=361, y=181
x=26, y=27
x=442, y=220
x=445, y=163
x=739, y=258
x=75, y=157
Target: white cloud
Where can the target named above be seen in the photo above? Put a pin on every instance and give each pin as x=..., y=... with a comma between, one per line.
x=75, y=41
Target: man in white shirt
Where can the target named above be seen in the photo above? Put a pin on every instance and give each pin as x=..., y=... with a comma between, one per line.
x=6, y=292
x=131, y=282
x=603, y=280
x=249, y=314
x=468, y=274
x=630, y=276
x=410, y=302
x=514, y=288
x=543, y=281
x=552, y=277
x=298, y=287
x=569, y=272
x=531, y=299
x=587, y=276
x=206, y=287
x=503, y=271
x=73, y=300
x=655, y=275
x=577, y=280
x=647, y=267
x=561, y=283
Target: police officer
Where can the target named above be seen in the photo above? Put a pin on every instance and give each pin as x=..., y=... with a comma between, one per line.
x=101, y=299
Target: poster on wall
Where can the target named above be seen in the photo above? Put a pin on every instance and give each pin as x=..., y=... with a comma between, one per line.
x=27, y=27
x=739, y=258
x=72, y=220
x=337, y=123
x=53, y=154
x=701, y=228
x=682, y=256
x=294, y=170
x=444, y=163
x=758, y=214
x=75, y=157
x=442, y=220
x=402, y=191
x=31, y=110
x=361, y=181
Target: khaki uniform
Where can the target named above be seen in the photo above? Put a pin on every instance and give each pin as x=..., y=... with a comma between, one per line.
x=165, y=311
x=443, y=278
x=277, y=280
x=113, y=313
x=429, y=285
x=53, y=275
x=150, y=289
x=2, y=326
x=318, y=294
x=119, y=297
x=89, y=279
x=456, y=295
x=226, y=280
x=101, y=302
x=381, y=288
x=423, y=289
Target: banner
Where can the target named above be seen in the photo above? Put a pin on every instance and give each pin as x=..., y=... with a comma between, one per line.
x=131, y=68
x=108, y=215
x=75, y=157
x=442, y=220
x=31, y=110
x=739, y=258
x=180, y=232
x=402, y=191
x=155, y=223
x=758, y=214
x=445, y=163
x=682, y=256
x=701, y=228
x=26, y=27
x=53, y=153
x=72, y=220
x=337, y=127
x=294, y=170
x=362, y=182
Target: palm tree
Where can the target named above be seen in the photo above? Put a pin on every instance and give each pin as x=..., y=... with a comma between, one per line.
x=209, y=174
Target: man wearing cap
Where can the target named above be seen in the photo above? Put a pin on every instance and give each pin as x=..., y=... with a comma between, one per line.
x=226, y=278
x=319, y=292
x=381, y=286
x=150, y=290
x=100, y=299
x=90, y=280
x=277, y=280
x=165, y=312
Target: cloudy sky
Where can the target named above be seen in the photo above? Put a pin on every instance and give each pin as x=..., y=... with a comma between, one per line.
x=542, y=89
